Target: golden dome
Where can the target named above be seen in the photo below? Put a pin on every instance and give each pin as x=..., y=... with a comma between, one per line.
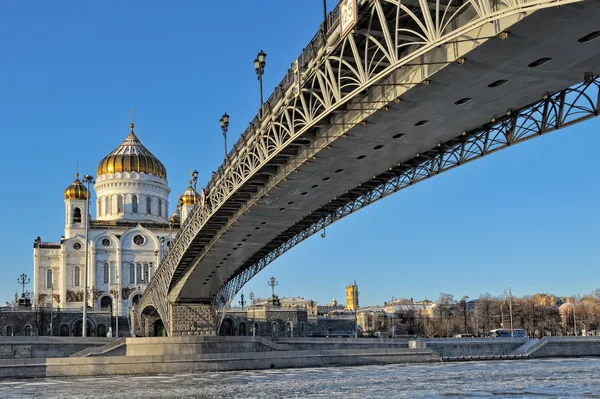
x=175, y=217
x=189, y=196
x=76, y=191
x=132, y=156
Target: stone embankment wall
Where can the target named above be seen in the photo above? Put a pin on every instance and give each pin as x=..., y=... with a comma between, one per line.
x=566, y=347
x=45, y=347
x=342, y=343
x=129, y=365
x=197, y=345
x=469, y=346
x=193, y=354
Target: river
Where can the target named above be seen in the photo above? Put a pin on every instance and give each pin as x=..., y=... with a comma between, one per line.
x=531, y=379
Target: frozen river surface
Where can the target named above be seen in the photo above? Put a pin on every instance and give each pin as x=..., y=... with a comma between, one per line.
x=531, y=379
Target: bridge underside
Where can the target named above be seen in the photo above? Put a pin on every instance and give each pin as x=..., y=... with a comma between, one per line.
x=394, y=136
x=497, y=97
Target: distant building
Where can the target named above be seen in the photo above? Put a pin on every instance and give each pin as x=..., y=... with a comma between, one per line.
x=332, y=307
x=352, y=297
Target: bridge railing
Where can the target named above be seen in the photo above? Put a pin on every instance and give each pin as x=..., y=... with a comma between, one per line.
x=306, y=56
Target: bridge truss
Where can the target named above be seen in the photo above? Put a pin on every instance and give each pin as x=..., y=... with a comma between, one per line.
x=568, y=107
x=390, y=36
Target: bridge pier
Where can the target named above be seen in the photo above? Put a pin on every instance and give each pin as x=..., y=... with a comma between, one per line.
x=192, y=319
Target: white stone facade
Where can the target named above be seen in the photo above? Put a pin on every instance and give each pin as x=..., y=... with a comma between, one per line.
x=132, y=196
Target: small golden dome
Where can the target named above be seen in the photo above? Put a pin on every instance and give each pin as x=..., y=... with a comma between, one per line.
x=76, y=191
x=132, y=156
x=175, y=217
x=189, y=196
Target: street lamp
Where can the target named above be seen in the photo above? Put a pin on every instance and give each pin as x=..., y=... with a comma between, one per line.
x=51, y=306
x=23, y=279
x=509, y=293
x=259, y=67
x=162, y=250
x=252, y=301
x=86, y=179
x=117, y=300
x=464, y=302
x=242, y=302
x=224, y=127
x=170, y=233
x=574, y=318
x=273, y=283
x=194, y=178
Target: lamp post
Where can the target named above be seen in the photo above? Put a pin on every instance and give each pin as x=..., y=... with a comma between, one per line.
x=242, y=302
x=259, y=67
x=273, y=283
x=252, y=301
x=574, y=318
x=464, y=302
x=170, y=233
x=86, y=179
x=509, y=293
x=162, y=250
x=355, y=323
x=51, y=305
x=325, y=16
x=224, y=127
x=23, y=279
x=117, y=299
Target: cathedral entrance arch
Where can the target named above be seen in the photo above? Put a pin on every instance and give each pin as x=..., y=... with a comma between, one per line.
x=106, y=302
x=64, y=331
x=79, y=328
x=101, y=330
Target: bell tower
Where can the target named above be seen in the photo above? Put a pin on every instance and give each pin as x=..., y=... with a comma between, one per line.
x=75, y=197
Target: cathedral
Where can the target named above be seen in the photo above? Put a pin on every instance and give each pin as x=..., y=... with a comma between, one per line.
x=130, y=234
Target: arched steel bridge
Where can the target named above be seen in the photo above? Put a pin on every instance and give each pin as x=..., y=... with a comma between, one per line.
x=406, y=90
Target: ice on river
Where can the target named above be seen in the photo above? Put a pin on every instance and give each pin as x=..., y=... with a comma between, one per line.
x=525, y=379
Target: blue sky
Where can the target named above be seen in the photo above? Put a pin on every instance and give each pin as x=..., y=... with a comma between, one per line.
x=526, y=217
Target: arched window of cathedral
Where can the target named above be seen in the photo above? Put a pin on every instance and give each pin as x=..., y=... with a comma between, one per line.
x=159, y=207
x=138, y=273
x=107, y=210
x=120, y=204
x=131, y=273
x=105, y=274
x=77, y=215
x=146, y=271
x=76, y=276
x=149, y=205
x=134, y=204
x=49, y=278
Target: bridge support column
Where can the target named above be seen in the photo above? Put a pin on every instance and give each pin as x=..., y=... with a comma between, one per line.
x=192, y=319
